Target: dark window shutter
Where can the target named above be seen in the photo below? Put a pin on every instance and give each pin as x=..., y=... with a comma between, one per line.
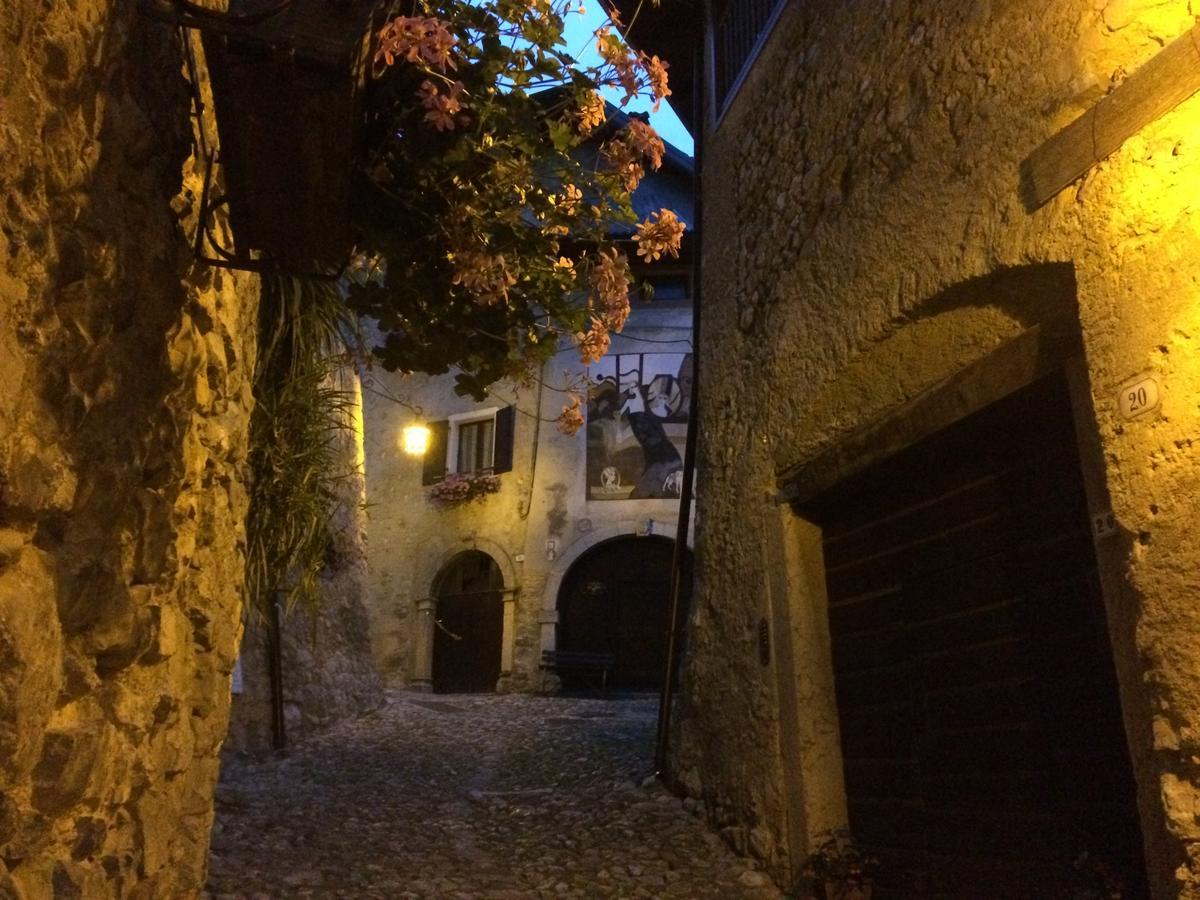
x=435, y=456
x=502, y=455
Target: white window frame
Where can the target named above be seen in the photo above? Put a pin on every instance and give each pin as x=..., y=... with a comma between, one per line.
x=718, y=114
x=468, y=418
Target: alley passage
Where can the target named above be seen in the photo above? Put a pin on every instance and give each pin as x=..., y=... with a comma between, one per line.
x=486, y=797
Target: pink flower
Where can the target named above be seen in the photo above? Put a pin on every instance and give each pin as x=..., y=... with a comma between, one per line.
x=623, y=64
x=423, y=40
x=610, y=281
x=441, y=108
x=486, y=276
x=645, y=141
x=659, y=235
x=591, y=113
x=570, y=199
x=463, y=487
x=656, y=73
x=593, y=343
x=570, y=420
x=625, y=154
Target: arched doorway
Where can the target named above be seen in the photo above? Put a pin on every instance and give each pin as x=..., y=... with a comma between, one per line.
x=468, y=624
x=615, y=599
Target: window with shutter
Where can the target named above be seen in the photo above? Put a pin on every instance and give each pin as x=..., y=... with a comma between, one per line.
x=475, y=446
x=435, y=456
x=505, y=426
x=478, y=441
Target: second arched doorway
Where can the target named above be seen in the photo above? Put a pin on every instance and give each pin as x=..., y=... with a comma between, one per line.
x=468, y=624
x=615, y=599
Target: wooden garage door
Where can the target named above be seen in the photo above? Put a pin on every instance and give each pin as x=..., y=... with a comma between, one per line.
x=981, y=732
x=616, y=599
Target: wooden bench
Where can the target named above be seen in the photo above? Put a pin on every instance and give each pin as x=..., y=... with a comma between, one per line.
x=577, y=662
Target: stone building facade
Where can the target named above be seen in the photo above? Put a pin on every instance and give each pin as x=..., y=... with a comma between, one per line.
x=882, y=309
x=546, y=516
x=467, y=597
x=125, y=376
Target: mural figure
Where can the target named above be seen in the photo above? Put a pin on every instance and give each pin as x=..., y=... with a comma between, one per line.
x=637, y=426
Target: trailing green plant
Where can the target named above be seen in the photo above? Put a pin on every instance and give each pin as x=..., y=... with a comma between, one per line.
x=297, y=437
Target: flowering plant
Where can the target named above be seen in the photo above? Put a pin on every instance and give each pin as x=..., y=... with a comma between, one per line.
x=496, y=179
x=463, y=487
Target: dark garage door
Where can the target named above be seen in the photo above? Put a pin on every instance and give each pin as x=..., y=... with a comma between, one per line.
x=615, y=599
x=983, y=745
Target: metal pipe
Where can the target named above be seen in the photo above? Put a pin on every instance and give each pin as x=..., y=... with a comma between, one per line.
x=678, y=614
x=275, y=662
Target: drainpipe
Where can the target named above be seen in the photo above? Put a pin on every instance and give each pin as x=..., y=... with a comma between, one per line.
x=678, y=614
x=524, y=509
x=275, y=663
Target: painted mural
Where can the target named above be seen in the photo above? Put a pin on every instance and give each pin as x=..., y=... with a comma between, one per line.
x=637, y=420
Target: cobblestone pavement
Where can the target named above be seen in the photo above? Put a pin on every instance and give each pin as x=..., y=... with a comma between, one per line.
x=500, y=797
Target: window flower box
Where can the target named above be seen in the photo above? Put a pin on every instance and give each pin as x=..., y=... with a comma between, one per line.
x=458, y=489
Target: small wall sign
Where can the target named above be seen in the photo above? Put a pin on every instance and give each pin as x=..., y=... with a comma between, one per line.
x=1138, y=397
x=1104, y=524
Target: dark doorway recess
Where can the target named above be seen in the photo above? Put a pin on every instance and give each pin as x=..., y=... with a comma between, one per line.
x=468, y=625
x=981, y=731
x=615, y=599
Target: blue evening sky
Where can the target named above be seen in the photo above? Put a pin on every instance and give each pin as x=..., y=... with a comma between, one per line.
x=579, y=43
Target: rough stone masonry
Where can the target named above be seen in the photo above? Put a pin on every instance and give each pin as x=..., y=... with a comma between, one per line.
x=124, y=398
x=871, y=162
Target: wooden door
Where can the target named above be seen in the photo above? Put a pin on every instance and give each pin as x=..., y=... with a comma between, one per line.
x=981, y=733
x=615, y=599
x=468, y=625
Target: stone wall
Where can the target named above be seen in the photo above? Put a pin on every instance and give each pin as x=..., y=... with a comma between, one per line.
x=327, y=669
x=124, y=399
x=871, y=163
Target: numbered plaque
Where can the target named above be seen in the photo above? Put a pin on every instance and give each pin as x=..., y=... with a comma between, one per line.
x=1138, y=397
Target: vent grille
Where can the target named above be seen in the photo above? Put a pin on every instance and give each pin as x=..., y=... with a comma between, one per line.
x=764, y=642
x=736, y=38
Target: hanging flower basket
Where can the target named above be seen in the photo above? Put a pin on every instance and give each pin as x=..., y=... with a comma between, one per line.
x=458, y=489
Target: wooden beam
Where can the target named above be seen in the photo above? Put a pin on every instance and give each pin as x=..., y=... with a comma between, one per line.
x=1020, y=361
x=1159, y=86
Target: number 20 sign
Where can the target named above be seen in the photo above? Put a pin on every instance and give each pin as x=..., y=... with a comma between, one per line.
x=1139, y=397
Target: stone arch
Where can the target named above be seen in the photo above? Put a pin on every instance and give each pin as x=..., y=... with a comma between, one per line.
x=425, y=602
x=614, y=597
x=432, y=565
x=625, y=528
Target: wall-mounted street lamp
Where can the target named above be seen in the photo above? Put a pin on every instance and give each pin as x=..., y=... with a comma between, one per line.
x=415, y=439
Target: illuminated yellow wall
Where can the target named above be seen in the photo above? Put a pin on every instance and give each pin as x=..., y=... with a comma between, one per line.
x=871, y=165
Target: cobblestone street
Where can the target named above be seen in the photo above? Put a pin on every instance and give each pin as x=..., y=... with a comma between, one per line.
x=470, y=796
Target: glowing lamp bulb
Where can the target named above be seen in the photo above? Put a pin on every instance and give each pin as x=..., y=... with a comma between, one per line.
x=416, y=440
